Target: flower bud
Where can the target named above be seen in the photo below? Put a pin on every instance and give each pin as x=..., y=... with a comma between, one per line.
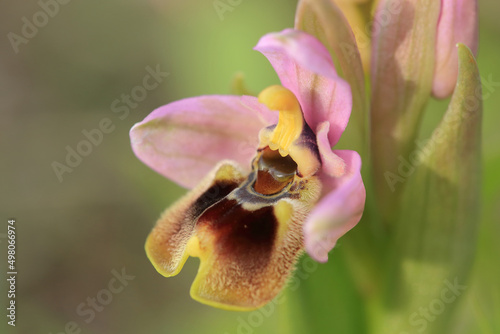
x=458, y=23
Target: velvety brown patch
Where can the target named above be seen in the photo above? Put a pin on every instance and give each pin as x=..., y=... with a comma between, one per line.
x=241, y=235
x=167, y=241
x=212, y=195
x=248, y=255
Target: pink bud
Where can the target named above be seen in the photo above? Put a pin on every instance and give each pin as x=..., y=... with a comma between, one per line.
x=458, y=23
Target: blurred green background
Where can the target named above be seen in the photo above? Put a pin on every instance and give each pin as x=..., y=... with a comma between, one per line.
x=72, y=234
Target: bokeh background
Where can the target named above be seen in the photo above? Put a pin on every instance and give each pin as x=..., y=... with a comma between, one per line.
x=73, y=233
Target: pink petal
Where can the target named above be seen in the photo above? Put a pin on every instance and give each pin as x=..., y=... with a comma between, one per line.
x=305, y=67
x=458, y=23
x=338, y=211
x=332, y=164
x=185, y=139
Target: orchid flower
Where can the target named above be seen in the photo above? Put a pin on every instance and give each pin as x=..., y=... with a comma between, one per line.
x=265, y=183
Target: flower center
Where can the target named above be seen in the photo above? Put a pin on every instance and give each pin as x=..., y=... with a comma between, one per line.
x=291, y=137
x=274, y=172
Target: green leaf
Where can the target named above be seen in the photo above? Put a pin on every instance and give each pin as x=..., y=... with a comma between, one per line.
x=322, y=298
x=435, y=239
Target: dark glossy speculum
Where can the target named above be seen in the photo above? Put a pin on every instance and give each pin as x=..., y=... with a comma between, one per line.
x=274, y=172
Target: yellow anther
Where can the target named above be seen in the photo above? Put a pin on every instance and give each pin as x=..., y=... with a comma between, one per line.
x=290, y=122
